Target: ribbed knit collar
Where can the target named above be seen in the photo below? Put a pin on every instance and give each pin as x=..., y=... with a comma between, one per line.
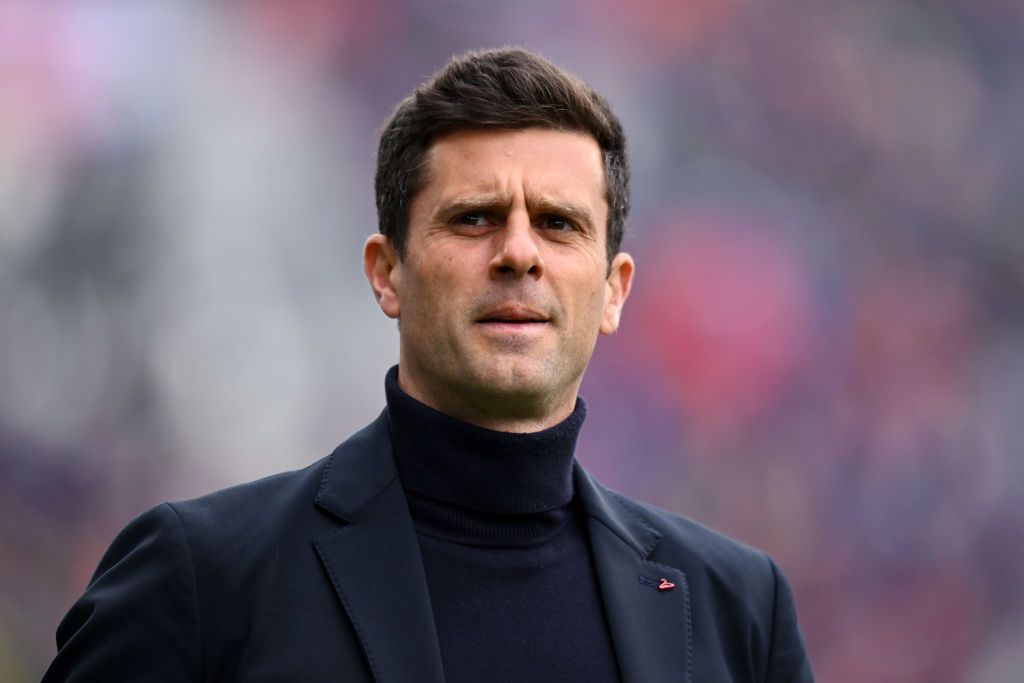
x=452, y=461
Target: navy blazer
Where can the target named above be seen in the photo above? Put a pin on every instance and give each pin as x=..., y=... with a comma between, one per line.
x=315, y=575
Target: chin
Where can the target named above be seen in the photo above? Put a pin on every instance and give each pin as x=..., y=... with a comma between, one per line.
x=522, y=379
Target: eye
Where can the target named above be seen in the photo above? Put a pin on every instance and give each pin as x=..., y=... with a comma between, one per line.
x=558, y=223
x=477, y=220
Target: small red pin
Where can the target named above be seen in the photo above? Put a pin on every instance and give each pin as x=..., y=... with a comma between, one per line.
x=666, y=585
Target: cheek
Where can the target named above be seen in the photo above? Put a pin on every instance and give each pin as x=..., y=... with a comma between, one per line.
x=589, y=303
x=456, y=275
x=596, y=296
x=435, y=292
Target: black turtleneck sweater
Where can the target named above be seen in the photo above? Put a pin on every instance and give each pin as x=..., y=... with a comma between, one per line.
x=505, y=551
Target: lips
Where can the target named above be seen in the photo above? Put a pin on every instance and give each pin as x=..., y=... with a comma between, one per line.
x=513, y=315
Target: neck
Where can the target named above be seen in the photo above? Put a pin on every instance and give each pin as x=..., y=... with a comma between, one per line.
x=516, y=415
x=450, y=460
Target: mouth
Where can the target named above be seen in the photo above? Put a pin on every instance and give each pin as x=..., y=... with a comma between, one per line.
x=513, y=316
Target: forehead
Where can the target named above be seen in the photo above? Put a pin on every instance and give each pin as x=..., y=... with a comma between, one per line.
x=538, y=161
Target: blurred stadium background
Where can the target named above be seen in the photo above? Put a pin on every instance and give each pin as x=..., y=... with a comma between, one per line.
x=823, y=355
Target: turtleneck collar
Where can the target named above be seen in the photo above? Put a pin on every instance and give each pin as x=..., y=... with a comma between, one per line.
x=452, y=461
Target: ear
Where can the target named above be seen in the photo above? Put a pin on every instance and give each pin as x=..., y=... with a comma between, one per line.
x=382, y=268
x=620, y=279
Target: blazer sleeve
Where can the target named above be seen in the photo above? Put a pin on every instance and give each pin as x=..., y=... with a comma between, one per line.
x=788, y=661
x=138, y=619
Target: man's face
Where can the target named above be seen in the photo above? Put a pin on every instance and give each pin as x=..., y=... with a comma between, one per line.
x=505, y=282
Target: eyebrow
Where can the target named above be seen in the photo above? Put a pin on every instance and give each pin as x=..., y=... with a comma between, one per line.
x=469, y=203
x=576, y=214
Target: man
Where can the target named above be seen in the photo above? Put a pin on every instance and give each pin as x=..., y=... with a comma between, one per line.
x=455, y=538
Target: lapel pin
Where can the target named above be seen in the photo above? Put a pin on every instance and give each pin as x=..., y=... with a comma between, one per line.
x=663, y=585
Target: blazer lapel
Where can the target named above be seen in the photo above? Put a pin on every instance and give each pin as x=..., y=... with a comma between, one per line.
x=649, y=619
x=374, y=559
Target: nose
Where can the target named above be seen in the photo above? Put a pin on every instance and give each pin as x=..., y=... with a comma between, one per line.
x=517, y=253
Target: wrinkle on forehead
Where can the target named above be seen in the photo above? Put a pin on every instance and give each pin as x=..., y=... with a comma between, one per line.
x=460, y=175
x=449, y=143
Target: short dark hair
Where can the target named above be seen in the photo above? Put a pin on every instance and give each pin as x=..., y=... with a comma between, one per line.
x=504, y=88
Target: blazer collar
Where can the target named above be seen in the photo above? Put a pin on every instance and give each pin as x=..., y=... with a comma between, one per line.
x=374, y=561
x=374, y=564
x=647, y=603
x=604, y=506
x=358, y=471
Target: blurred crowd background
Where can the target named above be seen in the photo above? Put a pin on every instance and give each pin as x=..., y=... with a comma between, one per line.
x=823, y=355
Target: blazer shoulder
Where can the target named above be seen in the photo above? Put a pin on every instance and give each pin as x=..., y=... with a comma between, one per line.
x=355, y=470
x=252, y=499
x=227, y=529
x=139, y=612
